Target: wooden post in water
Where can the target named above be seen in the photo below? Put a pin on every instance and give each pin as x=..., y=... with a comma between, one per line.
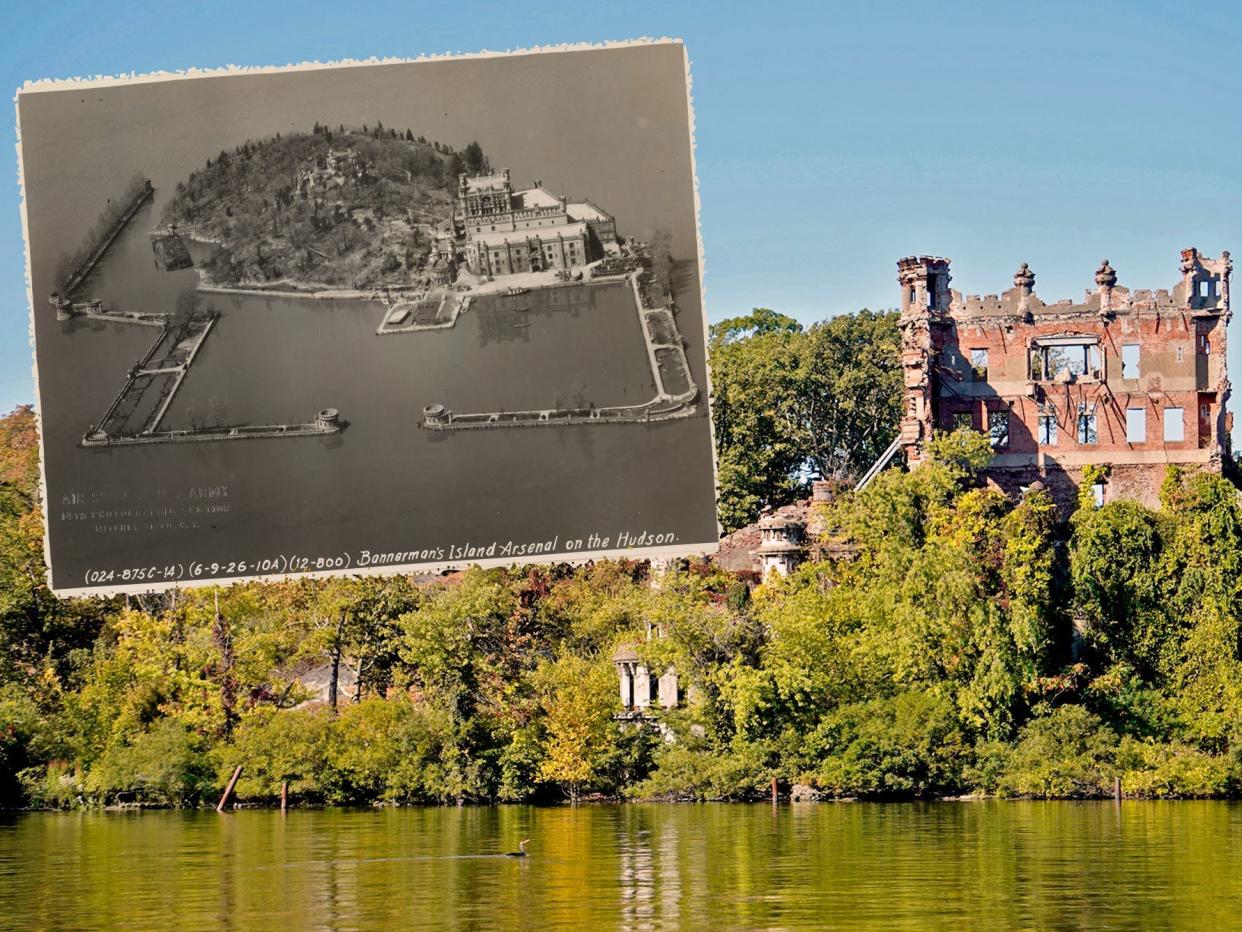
x=284, y=795
x=1117, y=788
x=228, y=790
x=774, y=791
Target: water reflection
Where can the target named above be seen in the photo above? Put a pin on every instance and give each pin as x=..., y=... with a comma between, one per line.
x=977, y=865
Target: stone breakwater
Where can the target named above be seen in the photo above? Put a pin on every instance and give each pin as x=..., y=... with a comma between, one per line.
x=152, y=382
x=87, y=263
x=326, y=422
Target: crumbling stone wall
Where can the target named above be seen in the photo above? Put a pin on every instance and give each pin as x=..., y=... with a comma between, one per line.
x=1130, y=380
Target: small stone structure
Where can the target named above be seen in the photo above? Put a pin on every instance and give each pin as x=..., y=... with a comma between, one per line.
x=1123, y=382
x=783, y=544
x=783, y=538
x=641, y=692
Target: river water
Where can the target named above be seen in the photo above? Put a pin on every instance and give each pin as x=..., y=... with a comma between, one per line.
x=385, y=484
x=986, y=865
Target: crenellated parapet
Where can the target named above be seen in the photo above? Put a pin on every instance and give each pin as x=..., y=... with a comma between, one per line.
x=1202, y=289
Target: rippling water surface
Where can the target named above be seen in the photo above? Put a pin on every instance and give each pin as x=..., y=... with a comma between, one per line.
x=948, y=865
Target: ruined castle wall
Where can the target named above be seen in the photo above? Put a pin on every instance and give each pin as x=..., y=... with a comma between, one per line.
x=1131, y=381
x=1133, y=482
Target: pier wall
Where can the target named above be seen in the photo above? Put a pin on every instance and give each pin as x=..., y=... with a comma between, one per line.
x=84, y=266
x=202, y=434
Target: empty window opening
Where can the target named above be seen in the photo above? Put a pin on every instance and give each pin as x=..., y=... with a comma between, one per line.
x=1136, y=425
x=1130, y=361
x=963, y=420
x=979, y=364
x=1097, y=493
x=998, y=429
x=1174, y=425
x=1065, y=360
x=1048, y=430
x=932, y=282
x=1086, y=425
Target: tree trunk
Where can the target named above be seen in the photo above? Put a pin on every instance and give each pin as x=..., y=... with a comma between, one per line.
x=222, y=637
x=336, y=662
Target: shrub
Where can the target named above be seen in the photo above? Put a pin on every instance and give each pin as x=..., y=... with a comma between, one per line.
x=1151, y=770
x=167, y=765
x=274, y=747
x=910, y=745
x=399, y=751
x=685, y=773
x=1066, y=754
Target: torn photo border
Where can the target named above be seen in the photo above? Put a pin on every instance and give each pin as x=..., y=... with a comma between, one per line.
x=117, y=330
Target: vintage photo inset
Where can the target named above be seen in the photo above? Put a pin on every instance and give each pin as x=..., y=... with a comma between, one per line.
x=368, y=317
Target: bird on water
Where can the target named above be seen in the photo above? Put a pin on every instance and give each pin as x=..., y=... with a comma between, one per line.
x=521, y=851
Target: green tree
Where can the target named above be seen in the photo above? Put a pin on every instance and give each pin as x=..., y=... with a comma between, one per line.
x=789, y=403
x=753, y=373
x=476, y=162
x=578, y=700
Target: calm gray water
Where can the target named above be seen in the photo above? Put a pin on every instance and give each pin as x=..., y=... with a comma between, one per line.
x=991, y=865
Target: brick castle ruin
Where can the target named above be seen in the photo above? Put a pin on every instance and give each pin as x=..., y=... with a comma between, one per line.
x=1125, y=382
x=1110, y=391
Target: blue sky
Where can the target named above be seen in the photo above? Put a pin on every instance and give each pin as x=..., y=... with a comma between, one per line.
x=832, y=138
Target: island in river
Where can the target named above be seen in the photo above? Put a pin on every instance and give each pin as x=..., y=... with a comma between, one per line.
x=333, y=208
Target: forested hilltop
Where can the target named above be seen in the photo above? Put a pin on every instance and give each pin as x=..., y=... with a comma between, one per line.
x=938, y=662
x=351, y=208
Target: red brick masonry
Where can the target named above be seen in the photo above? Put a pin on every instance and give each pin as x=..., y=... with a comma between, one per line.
x=1130, y=381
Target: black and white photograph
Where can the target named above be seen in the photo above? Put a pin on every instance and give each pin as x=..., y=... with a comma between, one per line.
x=368, y=318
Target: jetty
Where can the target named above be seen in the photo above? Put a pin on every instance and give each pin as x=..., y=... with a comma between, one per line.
x=327, y=421
x=676, y=392
x=83, y=266
x=152, y=382
x=69, y=310
x=137, y=412
x=435, y=310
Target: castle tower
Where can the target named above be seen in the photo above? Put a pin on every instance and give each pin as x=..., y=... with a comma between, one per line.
x=925, y=302
x=1206, y=281
x=1204, y=292
x=782, y=547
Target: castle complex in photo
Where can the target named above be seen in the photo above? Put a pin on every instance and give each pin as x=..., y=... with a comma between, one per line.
x=531, y=230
